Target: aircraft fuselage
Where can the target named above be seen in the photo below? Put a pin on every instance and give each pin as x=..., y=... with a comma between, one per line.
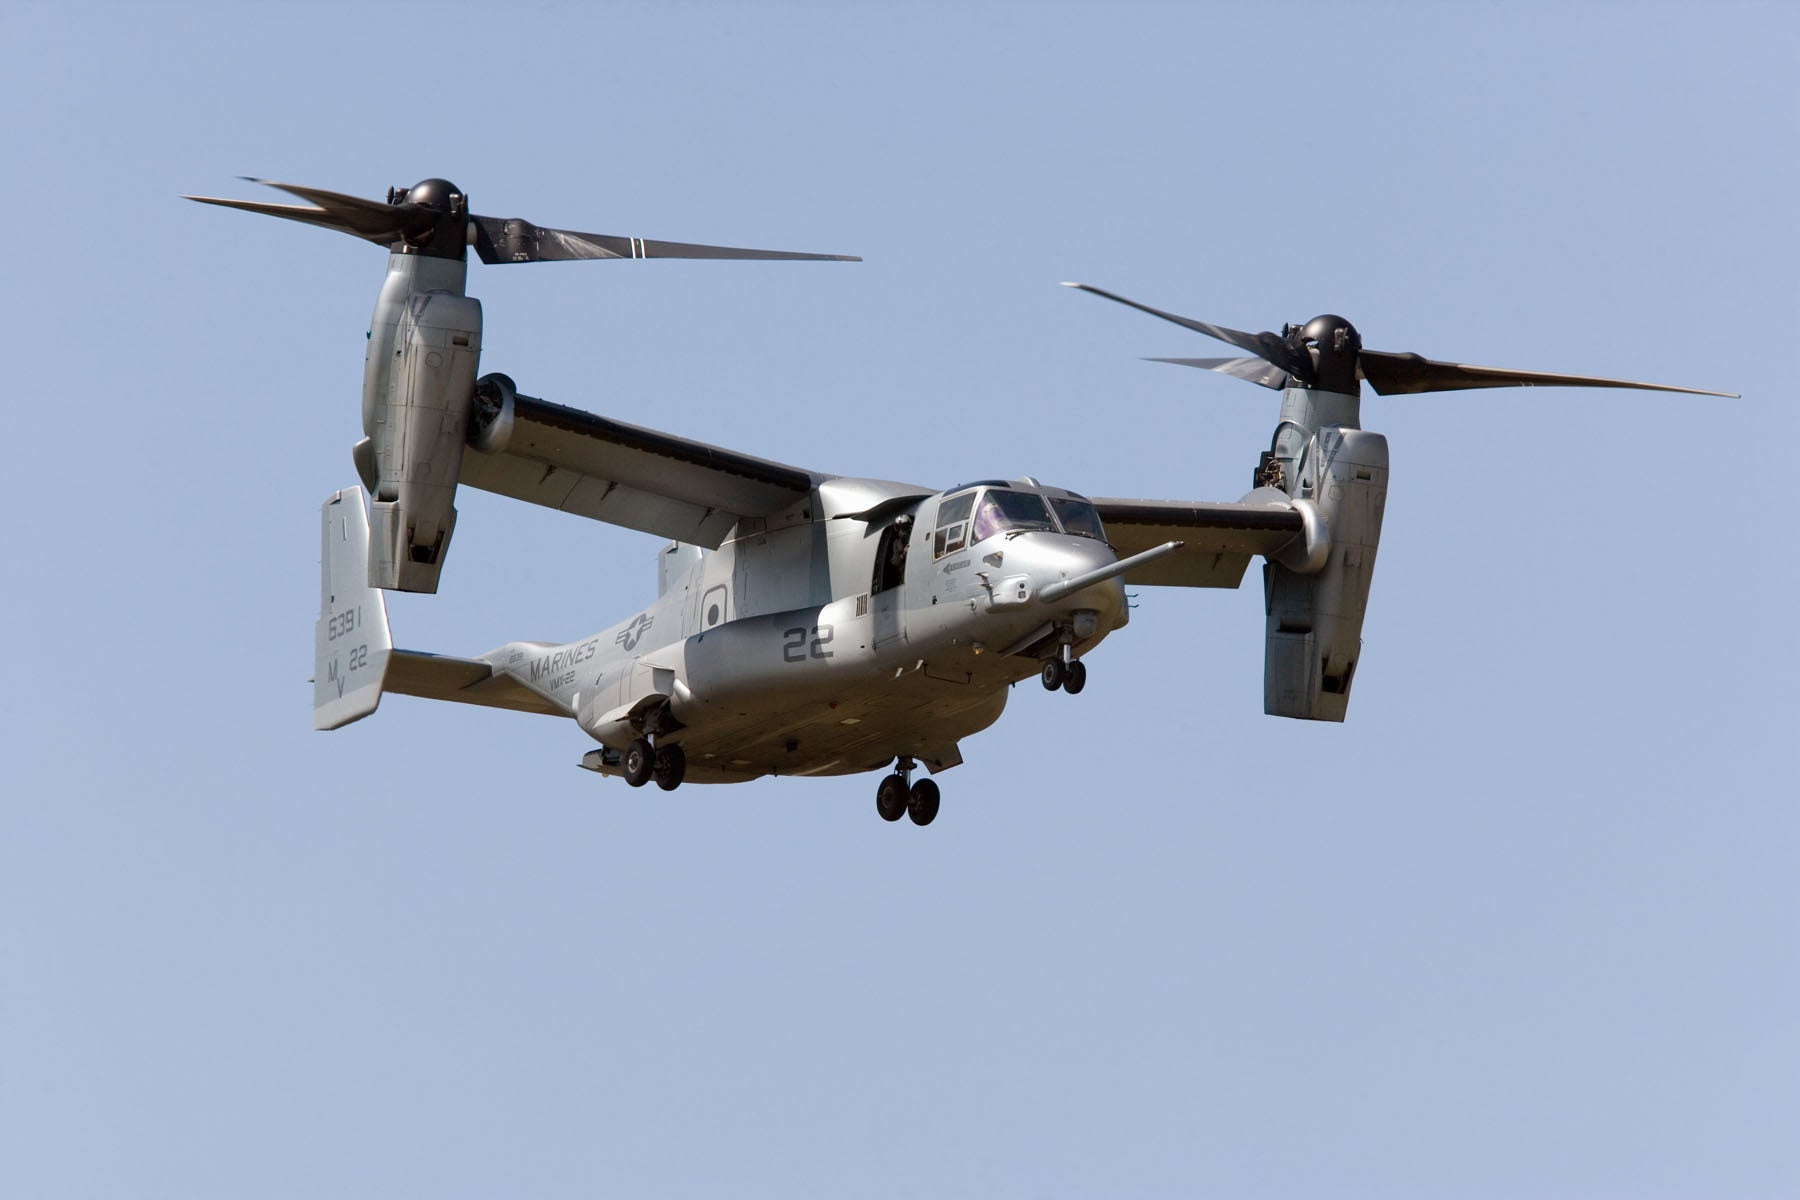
x=873, y=621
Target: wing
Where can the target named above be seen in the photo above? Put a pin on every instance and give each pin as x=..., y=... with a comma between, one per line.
x=592, y=466
x=1218, y=539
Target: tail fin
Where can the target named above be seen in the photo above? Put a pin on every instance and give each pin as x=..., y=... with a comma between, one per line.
x=351, y=642
x=354, y=660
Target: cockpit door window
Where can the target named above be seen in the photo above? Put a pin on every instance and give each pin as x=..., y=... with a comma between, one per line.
x=952, y=524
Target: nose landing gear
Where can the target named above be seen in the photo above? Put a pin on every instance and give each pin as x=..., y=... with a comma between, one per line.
x=897, y=796
x=1069, y=674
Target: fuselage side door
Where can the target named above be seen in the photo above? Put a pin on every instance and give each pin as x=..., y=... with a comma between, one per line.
x=887, y=605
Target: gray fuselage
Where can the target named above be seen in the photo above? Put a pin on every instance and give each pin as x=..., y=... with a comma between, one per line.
x=834, y=637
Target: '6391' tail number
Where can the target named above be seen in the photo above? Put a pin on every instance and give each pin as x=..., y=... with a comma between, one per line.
x=801, y=643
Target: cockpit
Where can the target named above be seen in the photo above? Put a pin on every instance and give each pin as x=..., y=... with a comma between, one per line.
x=988, y=508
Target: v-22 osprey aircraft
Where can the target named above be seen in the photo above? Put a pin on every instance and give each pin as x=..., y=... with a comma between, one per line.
x=808, y=623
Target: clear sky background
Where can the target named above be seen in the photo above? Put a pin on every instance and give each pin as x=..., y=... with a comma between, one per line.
x=1526, y=925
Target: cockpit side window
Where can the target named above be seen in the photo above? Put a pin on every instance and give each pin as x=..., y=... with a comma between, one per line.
x=1078, y=517
x=952, y=524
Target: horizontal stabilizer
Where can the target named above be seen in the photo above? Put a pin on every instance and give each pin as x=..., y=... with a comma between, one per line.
x=462, y=680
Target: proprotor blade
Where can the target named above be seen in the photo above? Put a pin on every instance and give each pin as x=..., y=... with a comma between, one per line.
x=368, y=219
x=432, y=218
x=1393, y=374
x=1269, y=347
x=1255, y=370
x=510, y=240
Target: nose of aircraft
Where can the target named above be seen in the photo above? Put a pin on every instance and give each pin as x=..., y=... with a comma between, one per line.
x=1052, y=558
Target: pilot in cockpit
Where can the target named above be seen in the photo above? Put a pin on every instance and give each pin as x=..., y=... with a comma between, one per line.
x=988, y=521
x=1004, y=510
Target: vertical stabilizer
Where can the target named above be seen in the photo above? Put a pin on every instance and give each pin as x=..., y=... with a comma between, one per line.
x=351, y=640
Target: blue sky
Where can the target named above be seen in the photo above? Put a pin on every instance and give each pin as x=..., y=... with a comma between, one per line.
x=1526, y=924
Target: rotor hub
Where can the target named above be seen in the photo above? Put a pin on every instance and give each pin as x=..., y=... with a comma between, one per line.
x=438, y=195
x=437, y=218
x=1333, y=345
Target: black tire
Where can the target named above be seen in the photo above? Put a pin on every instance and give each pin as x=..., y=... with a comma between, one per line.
x=671, y=767
x=640, y=761
x=922, y=807
x=1052, y=674
x=1075, y=677
x=891, y=798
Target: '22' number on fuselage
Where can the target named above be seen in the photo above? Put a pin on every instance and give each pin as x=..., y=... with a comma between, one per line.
x=798, y=646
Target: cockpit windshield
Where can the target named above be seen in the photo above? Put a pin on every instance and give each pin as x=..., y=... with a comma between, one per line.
x=1002, y=511
x=1078, y=517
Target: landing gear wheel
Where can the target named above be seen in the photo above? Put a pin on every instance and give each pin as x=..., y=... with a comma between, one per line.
x=923, y=805
x=671, y=766
x=890, y=798
x=1053, y=674
x=1074, y=677
x=640, y=761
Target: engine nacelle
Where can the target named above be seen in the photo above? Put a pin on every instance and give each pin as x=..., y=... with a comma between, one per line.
x=491, y=418
x=1315, y=602
x=419, y=384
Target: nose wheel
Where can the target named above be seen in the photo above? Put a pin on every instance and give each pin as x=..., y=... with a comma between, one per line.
x=896, y=797
x=1069, y=676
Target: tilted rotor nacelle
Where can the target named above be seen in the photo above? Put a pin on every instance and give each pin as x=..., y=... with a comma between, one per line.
x=1326, y=466
x=418, y=390
x=424, y=347
x=1314, y=598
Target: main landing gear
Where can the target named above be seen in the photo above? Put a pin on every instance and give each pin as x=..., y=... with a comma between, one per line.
x=644, y=762
x=897, y=797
